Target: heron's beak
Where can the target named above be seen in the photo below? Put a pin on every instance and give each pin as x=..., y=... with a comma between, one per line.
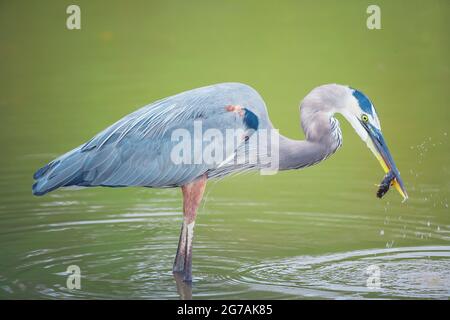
x=380, y=149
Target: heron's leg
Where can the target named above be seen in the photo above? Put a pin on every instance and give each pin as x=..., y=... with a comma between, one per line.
x=188, y=258
x=178, y=265
x=192, y=196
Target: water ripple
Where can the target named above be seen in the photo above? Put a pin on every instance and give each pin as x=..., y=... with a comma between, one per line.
x=412, y=272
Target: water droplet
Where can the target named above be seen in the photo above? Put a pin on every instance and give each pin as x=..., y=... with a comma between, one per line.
x=381, y=232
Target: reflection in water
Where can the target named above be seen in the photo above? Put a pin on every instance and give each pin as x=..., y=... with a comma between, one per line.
x=184, y=289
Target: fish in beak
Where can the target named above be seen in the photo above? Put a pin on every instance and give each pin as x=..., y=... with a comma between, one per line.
x=381, y=151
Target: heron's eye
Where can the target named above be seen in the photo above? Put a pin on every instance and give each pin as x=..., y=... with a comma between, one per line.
x=365, y=118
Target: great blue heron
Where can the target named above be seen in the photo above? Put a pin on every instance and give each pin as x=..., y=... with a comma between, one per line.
x=137, y=150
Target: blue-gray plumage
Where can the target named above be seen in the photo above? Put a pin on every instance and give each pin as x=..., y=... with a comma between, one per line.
x=136, y=150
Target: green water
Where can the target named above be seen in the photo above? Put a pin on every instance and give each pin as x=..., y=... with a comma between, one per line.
x=300, y=234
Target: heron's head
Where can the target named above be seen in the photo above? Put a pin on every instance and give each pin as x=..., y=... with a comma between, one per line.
x=361, y=114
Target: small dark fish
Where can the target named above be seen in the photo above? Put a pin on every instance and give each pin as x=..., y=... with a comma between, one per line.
x=385, y=184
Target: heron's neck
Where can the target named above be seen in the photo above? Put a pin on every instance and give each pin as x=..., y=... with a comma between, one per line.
x=323, y=138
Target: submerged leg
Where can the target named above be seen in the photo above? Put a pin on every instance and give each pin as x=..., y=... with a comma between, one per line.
x=192, y=196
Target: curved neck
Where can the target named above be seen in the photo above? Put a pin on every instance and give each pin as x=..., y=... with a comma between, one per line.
x=296, y=154
x=322, y=132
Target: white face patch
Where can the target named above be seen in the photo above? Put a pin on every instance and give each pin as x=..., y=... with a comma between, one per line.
x=356, y=124
x=352, y=112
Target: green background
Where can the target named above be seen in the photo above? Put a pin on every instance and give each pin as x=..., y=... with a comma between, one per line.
x=256, y=236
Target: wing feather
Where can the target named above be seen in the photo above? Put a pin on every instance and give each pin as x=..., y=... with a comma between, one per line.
x=135, y=151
